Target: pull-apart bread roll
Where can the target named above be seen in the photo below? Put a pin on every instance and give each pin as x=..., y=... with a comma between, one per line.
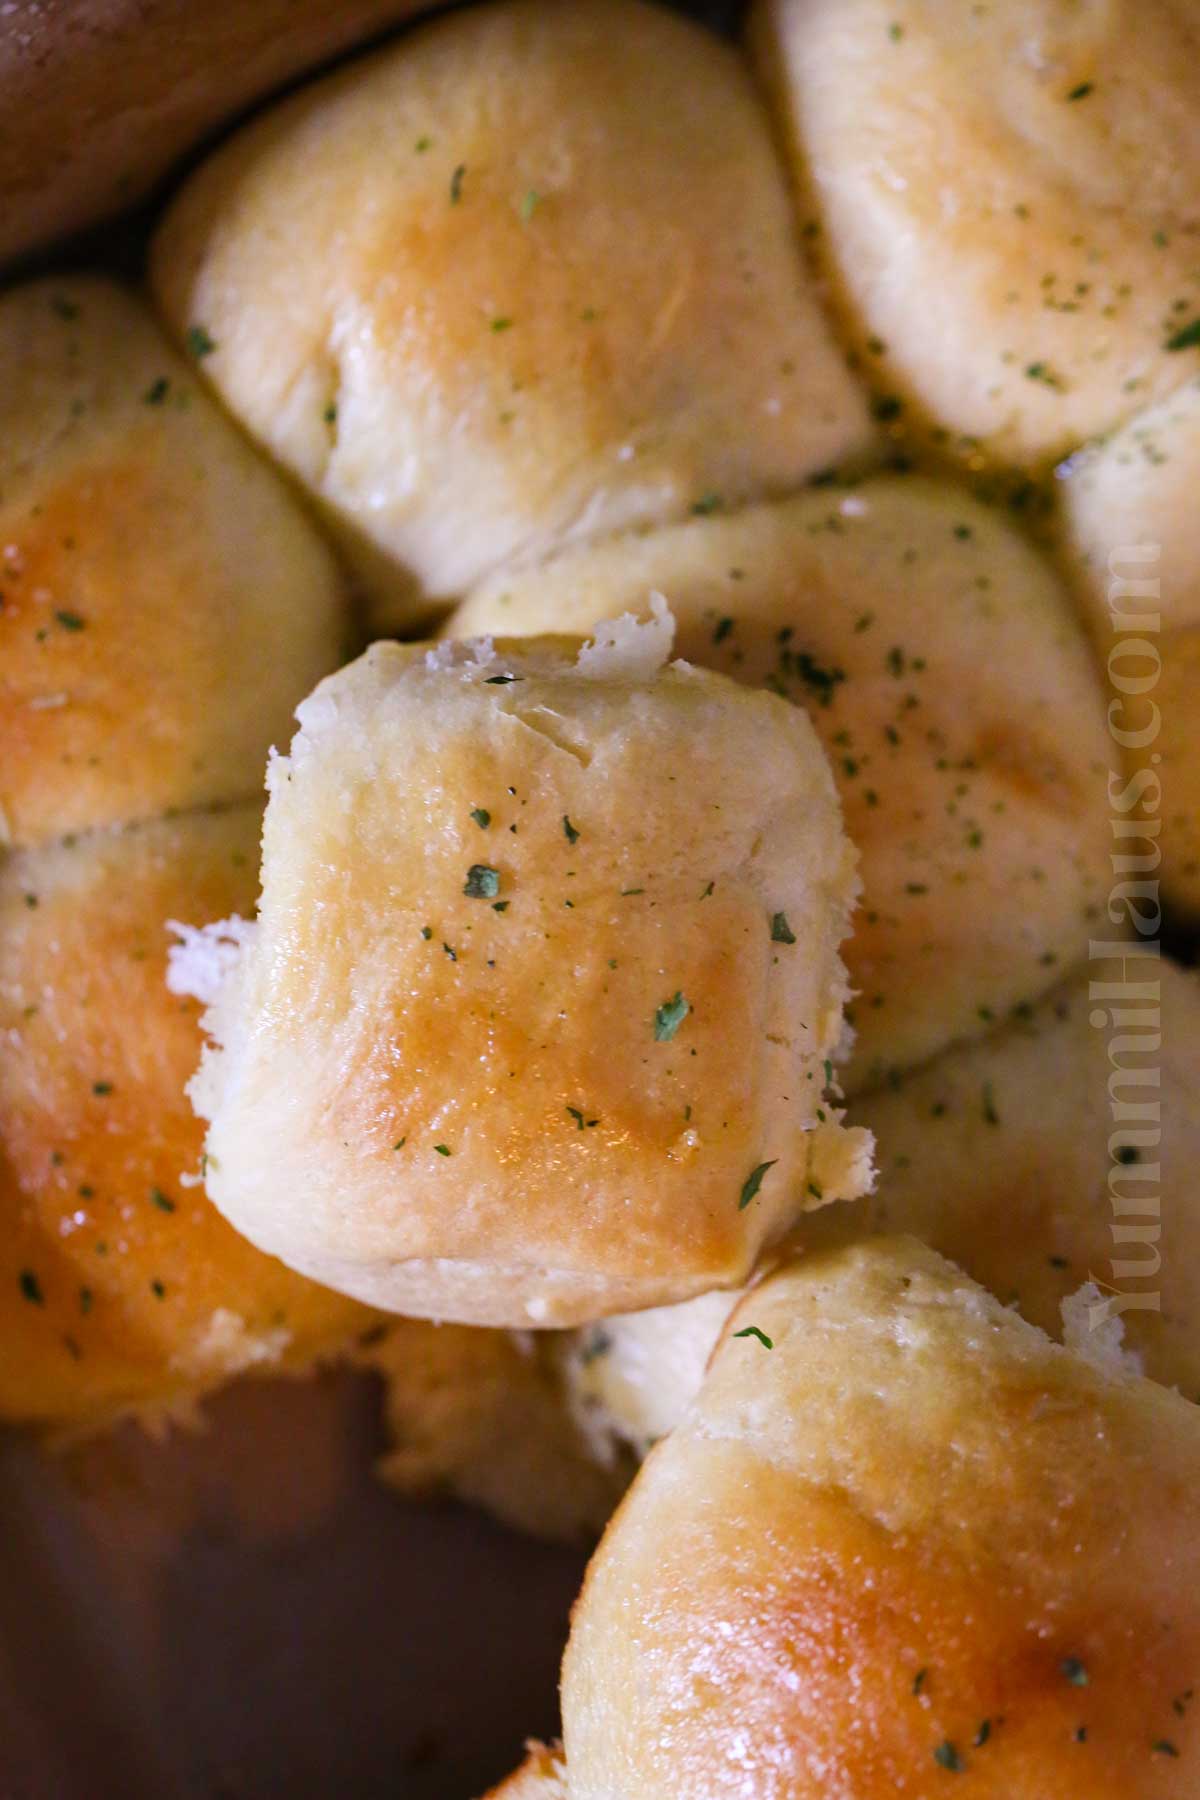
x=1008, y=199
x=529, y=274
x=120, y=1284
x=1131, y=532
x=900, y=1539
x=536, y=1018
x=163, y=600
x=942, y=666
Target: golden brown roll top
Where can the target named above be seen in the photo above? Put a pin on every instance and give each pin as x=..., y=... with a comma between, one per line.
x=528, y=275
x=1131, y=539
x=901, y=1537
x=940, y=662
x=163, y=600
x=120, y=1284
x=536, y=1020
x=1007, y=199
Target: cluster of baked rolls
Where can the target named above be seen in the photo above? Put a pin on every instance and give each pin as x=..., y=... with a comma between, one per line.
x=699, y=1016
x=166, y=603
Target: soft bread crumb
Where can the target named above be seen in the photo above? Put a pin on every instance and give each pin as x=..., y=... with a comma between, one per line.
x=629, y=646
x=201, y=962
x=477, y=656
x=1093, y=1331
x=840, y=1163
x=227, y=1347
x=206, y=964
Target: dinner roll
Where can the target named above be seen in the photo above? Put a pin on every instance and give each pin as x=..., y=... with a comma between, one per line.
x=1008, y=201
x=528, y=275
x=900, y=1536
x=163, y=601
x=939, y=660
x=1131, y=535
x=99, y=97
x=536, y=1019
x=120, y=1285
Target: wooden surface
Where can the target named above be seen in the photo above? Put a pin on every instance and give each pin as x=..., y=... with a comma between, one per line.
x=98, y=98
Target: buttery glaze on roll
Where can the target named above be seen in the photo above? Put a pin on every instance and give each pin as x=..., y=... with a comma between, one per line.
x=901, y=1540
x=1007, y=198
x=952, y=687
x=1130, y=533
x=536, y=1019
x=528, y=275
x=163, y=600
x=121, y=1287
